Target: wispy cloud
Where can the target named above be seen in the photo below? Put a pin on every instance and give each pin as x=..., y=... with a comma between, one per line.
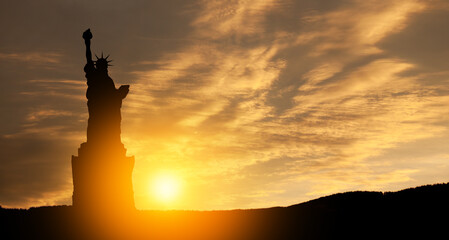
x=33, y=57
x=358, y=28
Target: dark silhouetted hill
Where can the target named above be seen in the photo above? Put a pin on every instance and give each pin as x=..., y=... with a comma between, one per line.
x=415, y=213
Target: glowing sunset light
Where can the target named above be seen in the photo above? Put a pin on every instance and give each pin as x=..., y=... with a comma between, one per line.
x=166, y=187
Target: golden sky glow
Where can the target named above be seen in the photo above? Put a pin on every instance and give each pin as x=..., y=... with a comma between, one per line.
x=165, y=187
x=241, y=104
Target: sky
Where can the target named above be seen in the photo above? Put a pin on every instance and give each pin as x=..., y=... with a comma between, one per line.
x=242, y=103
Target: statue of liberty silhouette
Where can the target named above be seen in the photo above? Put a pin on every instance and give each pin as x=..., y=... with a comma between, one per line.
x=102, y=173
x=104, y=100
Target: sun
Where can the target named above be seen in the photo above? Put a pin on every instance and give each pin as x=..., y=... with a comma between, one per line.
x=166, y=187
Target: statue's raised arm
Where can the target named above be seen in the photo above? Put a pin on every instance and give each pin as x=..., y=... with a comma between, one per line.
x=87, y=35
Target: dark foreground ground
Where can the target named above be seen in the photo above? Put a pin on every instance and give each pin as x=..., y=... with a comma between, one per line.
x=416, y=213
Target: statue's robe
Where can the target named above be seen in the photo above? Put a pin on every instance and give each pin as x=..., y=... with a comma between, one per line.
x=104, y=103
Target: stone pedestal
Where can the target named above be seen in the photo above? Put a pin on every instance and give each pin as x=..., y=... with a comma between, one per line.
x=102, y=178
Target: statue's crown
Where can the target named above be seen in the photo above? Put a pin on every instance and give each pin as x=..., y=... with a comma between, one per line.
x=102, y=61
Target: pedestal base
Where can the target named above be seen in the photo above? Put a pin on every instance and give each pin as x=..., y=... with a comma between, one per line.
x=102, y=178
